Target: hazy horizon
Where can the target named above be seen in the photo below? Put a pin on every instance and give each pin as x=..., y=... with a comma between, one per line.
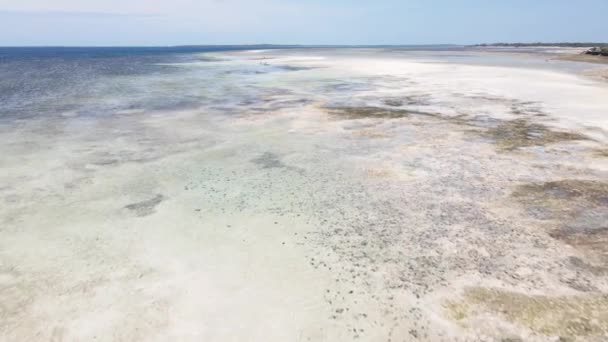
x=239, y=46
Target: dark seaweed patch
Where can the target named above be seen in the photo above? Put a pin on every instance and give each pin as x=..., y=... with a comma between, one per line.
x=589, y=191
x=580, y=207
x=393, y=102
x=527, y=109
x=601, y=152
x=345, y=86
x=591, y=240
x=515, y=134
x=145, y=208
x=294, y=68
x=268, y=161
x=368, y=112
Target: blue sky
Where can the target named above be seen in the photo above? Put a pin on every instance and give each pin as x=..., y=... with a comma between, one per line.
x=175, y=22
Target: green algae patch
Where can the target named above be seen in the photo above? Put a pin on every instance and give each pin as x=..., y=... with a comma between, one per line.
x=514, y=134
x=564, y=316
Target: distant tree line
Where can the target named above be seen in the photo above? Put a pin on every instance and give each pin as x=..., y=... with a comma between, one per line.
x=539, y=44
x=597, y=49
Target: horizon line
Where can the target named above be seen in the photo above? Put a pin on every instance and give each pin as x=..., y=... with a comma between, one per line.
x=225, y=45
x=537, y=43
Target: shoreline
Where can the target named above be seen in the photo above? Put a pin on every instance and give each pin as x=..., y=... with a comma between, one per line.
x=583, y=58
x=599, y=72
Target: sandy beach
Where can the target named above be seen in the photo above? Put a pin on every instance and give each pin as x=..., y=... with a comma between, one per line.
x=309, y=195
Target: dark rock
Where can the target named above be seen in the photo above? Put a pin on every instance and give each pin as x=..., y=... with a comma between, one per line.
x=597, y=51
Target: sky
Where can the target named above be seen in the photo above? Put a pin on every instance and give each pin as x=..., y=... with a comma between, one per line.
x=309, y=22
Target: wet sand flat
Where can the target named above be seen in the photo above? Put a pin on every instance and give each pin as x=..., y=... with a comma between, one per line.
x=308, y=195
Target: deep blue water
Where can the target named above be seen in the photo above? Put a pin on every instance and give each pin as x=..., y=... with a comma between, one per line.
x=7, y=53
x=37, y=81
x=101, y=52
x=85, y=81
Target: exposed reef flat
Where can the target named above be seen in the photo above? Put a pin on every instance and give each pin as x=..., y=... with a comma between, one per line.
x=305, y=195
